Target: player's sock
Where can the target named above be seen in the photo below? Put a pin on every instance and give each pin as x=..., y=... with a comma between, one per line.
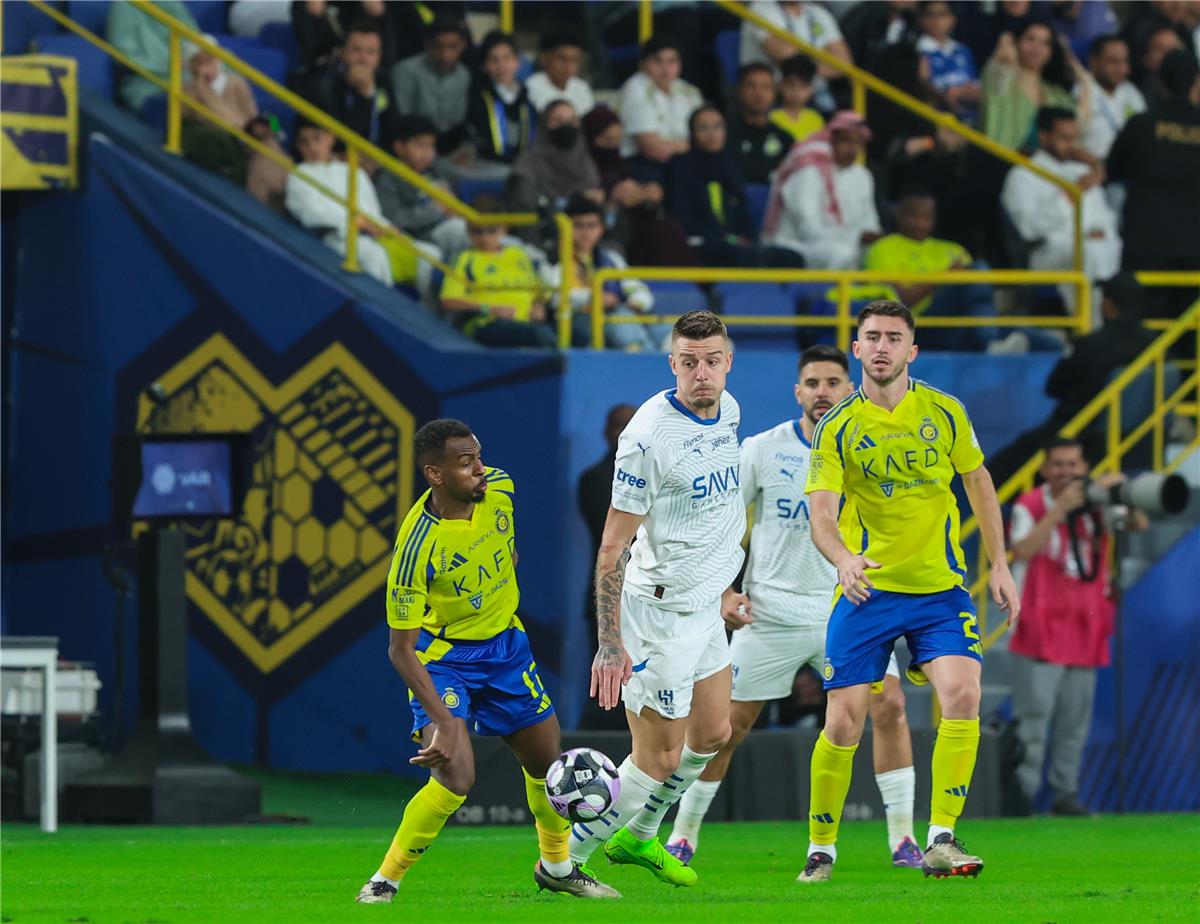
x=423, y=818
x=831, y=767
x=553, y=830
x=692, y=809
x=898, y=788
x=954, y=755
x=645, y=824
x=636, y=787
x=379, y=877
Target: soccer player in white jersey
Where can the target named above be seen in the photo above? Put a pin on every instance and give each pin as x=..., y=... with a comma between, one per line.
x=658, y=601
x=779, y=620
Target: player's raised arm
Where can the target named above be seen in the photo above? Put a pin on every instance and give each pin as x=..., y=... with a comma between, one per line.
x=612, y=666
x=402, y=652
x=981, y=493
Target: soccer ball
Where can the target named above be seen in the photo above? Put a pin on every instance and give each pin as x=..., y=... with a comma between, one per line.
x=582, y=784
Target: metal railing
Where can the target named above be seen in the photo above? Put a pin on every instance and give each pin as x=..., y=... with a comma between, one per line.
x=357, y=147
x=843, y=320
x=1108, y=402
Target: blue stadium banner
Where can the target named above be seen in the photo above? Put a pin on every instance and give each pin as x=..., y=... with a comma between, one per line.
x=39, y=122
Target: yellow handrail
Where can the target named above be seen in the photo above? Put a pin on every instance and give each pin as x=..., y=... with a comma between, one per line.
x=843, y=280
x=1109, y=401
x=861, y=78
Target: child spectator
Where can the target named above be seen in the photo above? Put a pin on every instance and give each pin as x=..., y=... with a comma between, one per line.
x=495, y=296
x=1044, y=217
x=755, y=143
x=230, y=99
x=705, y=191
x=413, y=140
x=436, y=84
x=623, y=297
x=351, y=90
x=952, y=70
x=316, y=211
x=1114, y=97
x=500, y=118
x=794, y=115
x=809, y=22
x=560, y=56
x=655, y=106
x=822, y=202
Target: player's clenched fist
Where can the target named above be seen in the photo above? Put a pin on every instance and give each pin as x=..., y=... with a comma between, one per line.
x=611, y=669
x=736, y=610
x=852, y=575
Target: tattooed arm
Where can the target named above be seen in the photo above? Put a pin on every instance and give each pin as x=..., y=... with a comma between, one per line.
x=612, y=666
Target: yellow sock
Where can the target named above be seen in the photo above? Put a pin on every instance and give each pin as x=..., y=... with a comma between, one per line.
x=423, y=819
x=954, y=755
x=553, y=830
x=831, y=766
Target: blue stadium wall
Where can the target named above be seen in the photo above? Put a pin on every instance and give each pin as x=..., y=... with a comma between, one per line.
x=137, y=278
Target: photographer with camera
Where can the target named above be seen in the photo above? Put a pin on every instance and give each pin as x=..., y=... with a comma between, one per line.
x=1060, y=539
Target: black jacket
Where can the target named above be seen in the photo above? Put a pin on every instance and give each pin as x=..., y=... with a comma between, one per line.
x=499, y=131
x=1078, y=378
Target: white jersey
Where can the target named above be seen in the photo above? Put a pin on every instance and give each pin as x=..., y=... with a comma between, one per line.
x=682, y=473
x=788, y=580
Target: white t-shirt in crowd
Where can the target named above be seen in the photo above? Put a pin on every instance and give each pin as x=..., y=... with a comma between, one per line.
x=644, y=108
x=813, y=24
x=808, y=226
x=542, y=93
x=1109, y=113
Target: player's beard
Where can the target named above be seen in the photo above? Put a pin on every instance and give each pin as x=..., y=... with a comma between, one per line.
x=893, y=374
x=812, y=414
x=703, y=402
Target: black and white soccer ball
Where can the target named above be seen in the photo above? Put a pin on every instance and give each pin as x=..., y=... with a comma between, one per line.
x=582, y=784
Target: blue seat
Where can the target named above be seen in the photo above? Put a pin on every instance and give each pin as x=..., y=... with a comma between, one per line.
x=210, y=15
x=729, y=53
x=279, y=35
x=95, y=68
x=757, y=196
x=470, y=190
x=270, y=61
x=755, y=298
x=91, y=14
x=525, y=70
x=677, y=297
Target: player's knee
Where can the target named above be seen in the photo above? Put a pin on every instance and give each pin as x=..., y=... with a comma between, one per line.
x=711, y=740
x=959, y=699
x=888, y=710
x=739, y=728
x=457, y=779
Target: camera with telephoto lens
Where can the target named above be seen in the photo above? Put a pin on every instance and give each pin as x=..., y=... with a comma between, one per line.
x=1151, y=492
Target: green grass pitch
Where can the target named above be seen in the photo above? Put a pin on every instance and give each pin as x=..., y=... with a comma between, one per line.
x=1127, y=869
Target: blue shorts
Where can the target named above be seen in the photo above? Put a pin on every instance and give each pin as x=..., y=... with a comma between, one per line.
x=859, y=639
x=491, y=685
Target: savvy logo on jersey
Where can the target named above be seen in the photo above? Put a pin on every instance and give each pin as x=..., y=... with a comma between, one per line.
x=716, y=482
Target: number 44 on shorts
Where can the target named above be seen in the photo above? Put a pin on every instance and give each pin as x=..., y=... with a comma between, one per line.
x=970, y=630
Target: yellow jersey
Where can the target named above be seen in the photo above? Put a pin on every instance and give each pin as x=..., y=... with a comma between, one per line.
x=808, y=122
x=506, y=277
x=894, y=469
x=457, y=578
x=897, y=252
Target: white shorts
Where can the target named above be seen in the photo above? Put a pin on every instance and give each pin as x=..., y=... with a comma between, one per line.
x=666, y=663
x=766, y=656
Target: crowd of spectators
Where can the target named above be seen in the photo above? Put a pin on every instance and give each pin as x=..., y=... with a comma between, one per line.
x=773, y=170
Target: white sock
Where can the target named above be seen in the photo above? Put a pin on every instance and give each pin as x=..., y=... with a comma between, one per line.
x=636, y=788
x=557, y=868
x=692, y=809
x=645, y=823
x=934, y=831
x=830, y=849
x=379, y=877
x=898, y=789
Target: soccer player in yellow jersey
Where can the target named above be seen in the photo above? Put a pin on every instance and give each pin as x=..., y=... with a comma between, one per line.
x=891, y=449
x=456, y=641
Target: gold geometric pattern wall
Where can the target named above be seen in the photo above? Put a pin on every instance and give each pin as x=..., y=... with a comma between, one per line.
x=331, y=477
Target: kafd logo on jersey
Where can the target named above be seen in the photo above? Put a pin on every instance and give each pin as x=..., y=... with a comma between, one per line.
x=887, y=487
x=476, y=600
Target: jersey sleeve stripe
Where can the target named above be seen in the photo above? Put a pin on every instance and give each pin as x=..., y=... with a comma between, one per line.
x=944, y=394
x=496, y=474
x=950, y=557
x=950, y=418
x=408, y=557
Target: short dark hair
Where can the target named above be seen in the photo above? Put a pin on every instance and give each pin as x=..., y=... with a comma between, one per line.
x=487, y=204
x=560, y=38
x=699, y=325
x=1061, y=442
x=659, y=42
x=801, y=66
x=364, y=26
x=924, y=5
x=1178, y=72
x=495, y=38
x=915, y=191
x=579, y=204
x=1100, y=42
x=886, y=308
x=430, y=442
x=1049, y=116
x=699, y=111
x=823, y=353
x=443, y=25
x=754, y=67
x=406, y=127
